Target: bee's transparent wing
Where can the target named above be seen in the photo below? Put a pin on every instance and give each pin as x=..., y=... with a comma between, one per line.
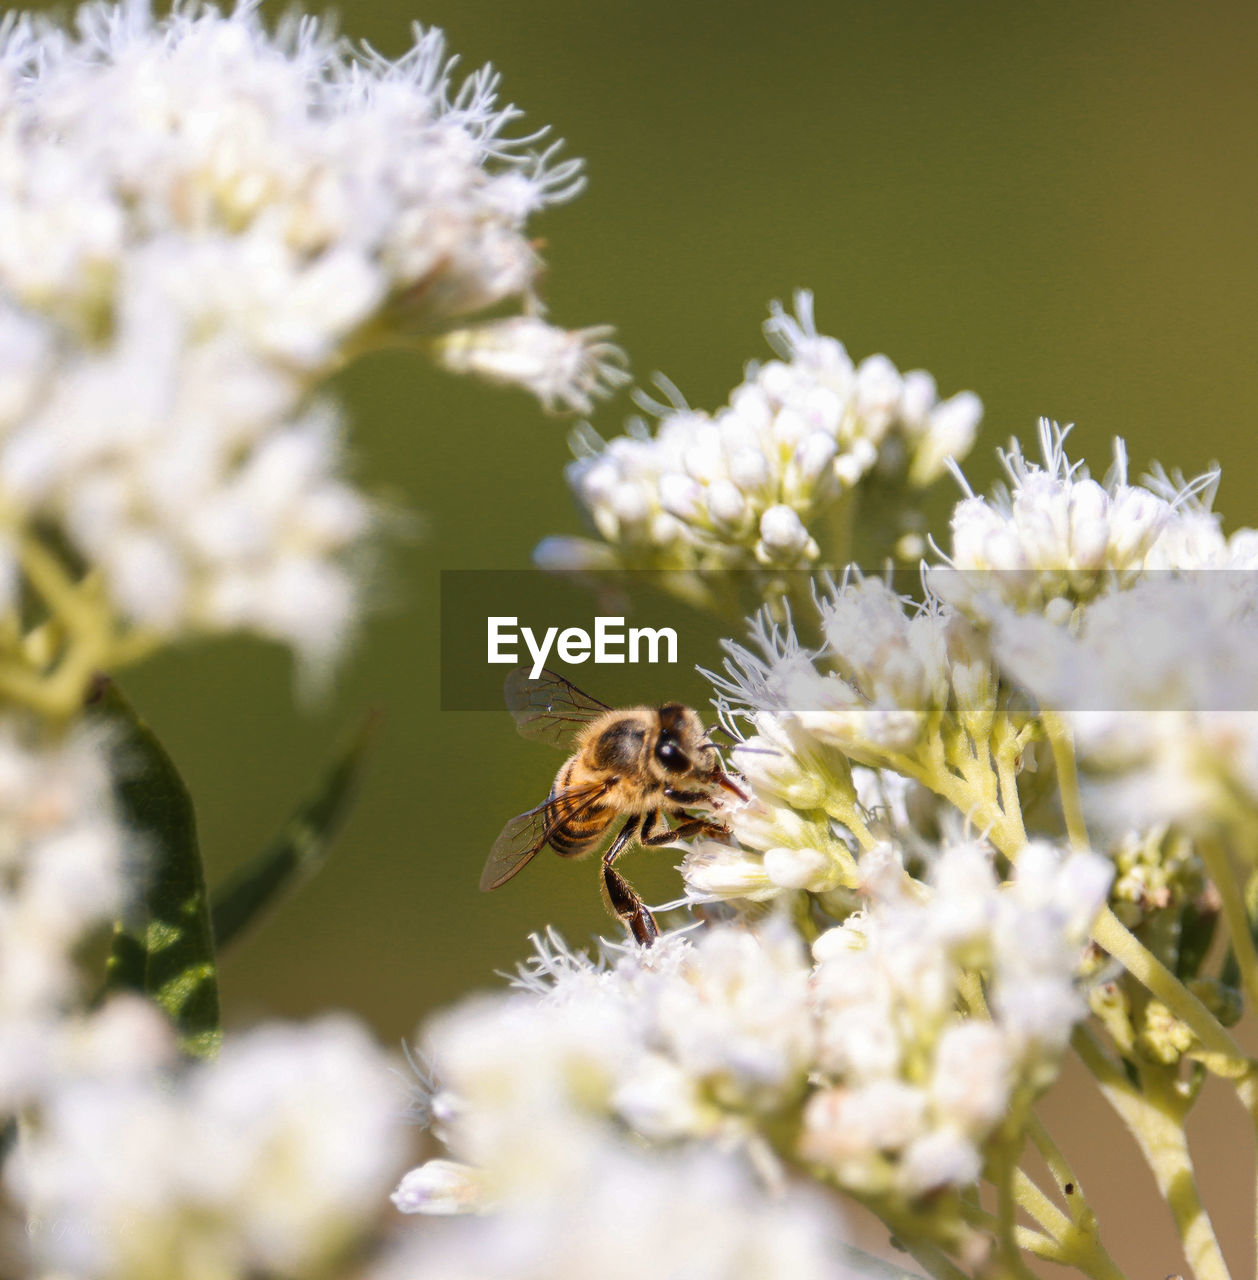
x=522, y=838
x=549, y=709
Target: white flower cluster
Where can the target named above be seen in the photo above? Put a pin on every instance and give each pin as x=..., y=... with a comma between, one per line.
x=887, y=679
x=787, y=838
x=201, y=221
x=908, y=1090
x=747, y=486
x=1057, y=535
x=736, y=1035
x=885, y=668
x=267, y=1161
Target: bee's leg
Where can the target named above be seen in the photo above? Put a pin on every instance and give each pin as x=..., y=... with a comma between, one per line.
x=686, y=828
x=622, y=897
x=679, y=800
x=684, y=798
x=626, y=833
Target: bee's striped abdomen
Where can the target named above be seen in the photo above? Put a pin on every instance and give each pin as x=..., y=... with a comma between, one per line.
x=574, y=829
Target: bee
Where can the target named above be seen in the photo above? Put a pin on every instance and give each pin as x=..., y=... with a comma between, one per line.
x=646, y=764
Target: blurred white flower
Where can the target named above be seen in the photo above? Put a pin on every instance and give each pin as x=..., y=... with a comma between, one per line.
x=690, y=1039
x=1160, y=687
x=440, y=1186
x=127, y=1039
x=563, y=369
x=702, y=1039
x=200, y=221
x=687, y=1213
x=747, y=486
x=269, y=1160
x=65, y=864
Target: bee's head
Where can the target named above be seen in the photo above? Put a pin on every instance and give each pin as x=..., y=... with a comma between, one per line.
x=676, y=749
x=684, y=754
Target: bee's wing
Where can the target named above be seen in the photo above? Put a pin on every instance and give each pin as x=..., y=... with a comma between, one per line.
x=521, y=839
x=549, y=709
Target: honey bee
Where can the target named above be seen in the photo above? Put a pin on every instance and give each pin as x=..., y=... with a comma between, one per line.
x=647, y=764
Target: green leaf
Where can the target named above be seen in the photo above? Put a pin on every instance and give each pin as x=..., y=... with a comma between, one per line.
x=299, y=850
x=166, y=949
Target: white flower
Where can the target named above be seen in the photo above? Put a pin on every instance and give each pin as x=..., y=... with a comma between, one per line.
x=856, y=1133
x=564, y=370
x=802, y=868
x=892, y=658
x=439, y=1186
x=938, y=1159
x=268, y=1160
x=746, y=486
x=733, y=1015
x=715, y=869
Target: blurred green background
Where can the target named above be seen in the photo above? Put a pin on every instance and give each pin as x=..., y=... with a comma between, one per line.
x=1051, y=205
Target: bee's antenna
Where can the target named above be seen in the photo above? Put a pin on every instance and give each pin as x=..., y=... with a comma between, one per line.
x=720, y=728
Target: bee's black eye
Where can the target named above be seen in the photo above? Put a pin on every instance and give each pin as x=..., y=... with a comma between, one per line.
x=671, y=756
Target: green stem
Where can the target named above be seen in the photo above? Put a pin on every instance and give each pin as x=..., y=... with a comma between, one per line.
x=79, y=635
x=1155, y=1115
x=1006, y=745
x=1075, y=1243
x=1026, y=1239
x=63, y=596
x=1219, y=866
x=847, y=813
x=1039, y=1206
x=1003, y=1165
x=1062, y=744
x=1010, y=803
x=1063, y=1175
x=1108, y=931
x=1248, y=1092
x=841, y=525
x=970, y=798
x=1039, y=1245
